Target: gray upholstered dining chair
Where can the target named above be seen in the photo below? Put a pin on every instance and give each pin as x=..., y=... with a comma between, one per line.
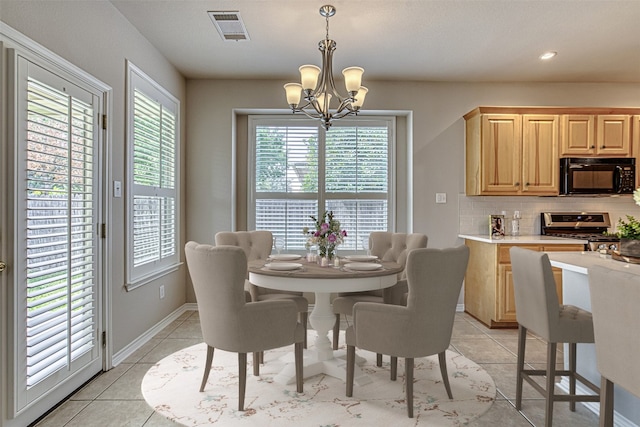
x=422, y=328
x=257, y=245
x=539, y=311
x=386, y=246
x=616, y=321
x=228, y=322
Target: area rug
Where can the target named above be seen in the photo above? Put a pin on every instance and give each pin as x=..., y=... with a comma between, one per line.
x=171, y=388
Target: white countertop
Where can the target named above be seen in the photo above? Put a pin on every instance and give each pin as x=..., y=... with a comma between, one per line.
x=580, y=262
x=523, y=240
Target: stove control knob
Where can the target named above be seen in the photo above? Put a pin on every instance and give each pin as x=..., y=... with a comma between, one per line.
x=613, y=247
x=602, y=246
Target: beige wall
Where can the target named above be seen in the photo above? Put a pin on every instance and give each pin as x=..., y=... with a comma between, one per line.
x=438, y=139
x=94, y=36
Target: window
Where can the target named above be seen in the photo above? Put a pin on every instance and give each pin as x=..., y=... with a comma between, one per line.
x=300, y=170
x=153, y=198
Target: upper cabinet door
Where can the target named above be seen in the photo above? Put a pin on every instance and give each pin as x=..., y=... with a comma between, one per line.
x=540, y=154
x=578, y=135
x=501, y=155
x=614, y=135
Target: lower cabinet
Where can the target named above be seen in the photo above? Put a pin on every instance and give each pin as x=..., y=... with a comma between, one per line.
x=489, y=294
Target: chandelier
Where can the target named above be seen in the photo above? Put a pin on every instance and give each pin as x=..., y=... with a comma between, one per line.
x=319, y=88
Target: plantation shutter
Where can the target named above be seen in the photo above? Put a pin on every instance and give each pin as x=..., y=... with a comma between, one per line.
x=60, y=230
x=300, y=170
x=153, y=231
x=357, y=179
x=286, y=185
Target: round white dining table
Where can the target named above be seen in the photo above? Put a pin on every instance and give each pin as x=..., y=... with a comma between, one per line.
x=323, y=281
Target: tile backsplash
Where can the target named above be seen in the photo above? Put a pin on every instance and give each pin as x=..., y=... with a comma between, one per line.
x=474, y=211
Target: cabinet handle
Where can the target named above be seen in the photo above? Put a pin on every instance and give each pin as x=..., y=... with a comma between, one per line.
x=527, y=184
x=516, y=184
x=593, y=146
x=603, y=146
x=3, y=266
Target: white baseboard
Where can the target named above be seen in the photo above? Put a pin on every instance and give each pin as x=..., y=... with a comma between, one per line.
x=150, y=333
x=619, y=420
x=460, y=308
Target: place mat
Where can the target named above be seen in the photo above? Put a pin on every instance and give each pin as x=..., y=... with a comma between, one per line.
x=171, y=388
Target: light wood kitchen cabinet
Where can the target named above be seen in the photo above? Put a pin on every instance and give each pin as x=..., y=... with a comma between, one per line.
x=512, y=154
x=489, y=294
x=606, y=135
x=516, y=151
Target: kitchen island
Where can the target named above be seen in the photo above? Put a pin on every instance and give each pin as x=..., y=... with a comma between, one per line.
x=575, y=290
x=488, y=285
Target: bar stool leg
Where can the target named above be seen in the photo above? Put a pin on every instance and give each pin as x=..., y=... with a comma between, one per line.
x=551, y=382
x=606, y=403
x=522, y=340
x=572, y=375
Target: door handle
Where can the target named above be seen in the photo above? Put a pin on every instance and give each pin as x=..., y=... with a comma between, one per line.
x=3, y=266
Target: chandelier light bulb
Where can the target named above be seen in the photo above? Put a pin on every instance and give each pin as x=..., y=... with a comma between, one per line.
x=359, y=98
x=352, y=78
x=294, y=92
x=321, y=99
x=309, y=76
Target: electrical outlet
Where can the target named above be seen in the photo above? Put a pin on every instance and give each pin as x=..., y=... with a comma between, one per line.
x=441, y=197
x=161, y=291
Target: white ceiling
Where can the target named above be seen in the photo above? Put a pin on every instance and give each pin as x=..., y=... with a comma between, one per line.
x=423, y=40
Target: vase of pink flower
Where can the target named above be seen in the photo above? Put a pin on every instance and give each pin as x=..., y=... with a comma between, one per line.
x=327, y=236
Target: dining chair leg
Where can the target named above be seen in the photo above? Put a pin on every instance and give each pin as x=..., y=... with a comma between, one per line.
x=378, y=360
x=394, y=368
x=304, y=319
x=551, y=383
x=256, y=363
x=336, y=332
x=572, y=375
x=207, y=367
x=606, y=403
x=522, y=342
x=242, y=371
x=442, y=359
x=299, y=372
x=408, y=373
x=351, y=361
x=261, y=357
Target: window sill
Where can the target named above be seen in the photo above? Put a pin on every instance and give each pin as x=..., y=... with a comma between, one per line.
x=148, y=278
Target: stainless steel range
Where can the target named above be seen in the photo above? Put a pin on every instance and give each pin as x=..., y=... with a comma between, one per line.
x=588, y=226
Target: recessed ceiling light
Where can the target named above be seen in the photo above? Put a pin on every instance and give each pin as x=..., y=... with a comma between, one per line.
x=548, y=55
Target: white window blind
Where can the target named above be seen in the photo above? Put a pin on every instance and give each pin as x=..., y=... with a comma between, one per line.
x=300, y=170
x=60, y=230
x=153, y=194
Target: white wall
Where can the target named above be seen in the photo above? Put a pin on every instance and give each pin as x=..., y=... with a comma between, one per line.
x=94, y=36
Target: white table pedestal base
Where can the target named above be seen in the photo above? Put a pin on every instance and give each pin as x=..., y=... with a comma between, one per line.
x=322, y=359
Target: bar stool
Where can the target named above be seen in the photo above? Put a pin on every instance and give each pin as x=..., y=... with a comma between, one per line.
x=538, y=310
x=616, y=320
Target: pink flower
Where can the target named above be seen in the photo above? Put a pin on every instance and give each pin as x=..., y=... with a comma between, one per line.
x=331, y=238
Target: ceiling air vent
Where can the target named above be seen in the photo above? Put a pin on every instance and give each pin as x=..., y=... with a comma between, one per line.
x=229, y=24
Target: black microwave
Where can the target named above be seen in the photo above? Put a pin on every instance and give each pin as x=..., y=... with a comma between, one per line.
x=592, y=175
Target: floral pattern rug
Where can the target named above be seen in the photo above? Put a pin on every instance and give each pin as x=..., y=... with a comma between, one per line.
x=171, y=388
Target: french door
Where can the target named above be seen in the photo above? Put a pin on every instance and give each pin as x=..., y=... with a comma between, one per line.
x=57, y=259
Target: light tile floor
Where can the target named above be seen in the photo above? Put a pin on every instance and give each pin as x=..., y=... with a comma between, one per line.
x=114, y=398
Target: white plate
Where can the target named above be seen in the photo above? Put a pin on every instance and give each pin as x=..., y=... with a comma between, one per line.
x=285, y=257
x=362, y=266
x=361, y=257
x=283, y=266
